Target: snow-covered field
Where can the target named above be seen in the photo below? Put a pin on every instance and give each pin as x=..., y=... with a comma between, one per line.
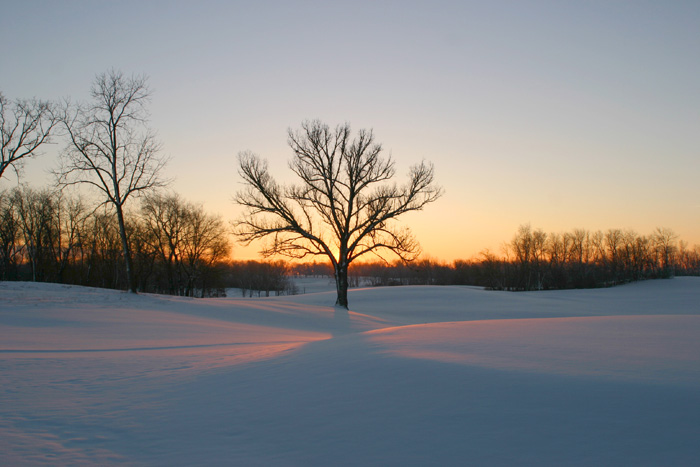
x=410, y=376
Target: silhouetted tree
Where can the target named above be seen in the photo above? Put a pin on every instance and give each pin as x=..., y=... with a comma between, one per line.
x=688, y=259
x=205, y=245
x=341, y=209
x=36, y=211
x=528, y=248
x=10, y=237
x=260, y=277
x=665, y=246
x=25, y=125
x=188, y=241
x=111, y=149
x=163, y=219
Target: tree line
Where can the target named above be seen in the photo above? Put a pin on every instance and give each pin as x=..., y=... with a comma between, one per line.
x=535, y=260
x=49, y=236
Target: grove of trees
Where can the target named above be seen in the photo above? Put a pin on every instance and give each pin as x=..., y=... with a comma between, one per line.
x=47, y=235
x=535, y=260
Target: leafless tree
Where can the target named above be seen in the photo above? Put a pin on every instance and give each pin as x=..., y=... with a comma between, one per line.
x=205, y=244
x=664, y=240
x=164, y=220
x=341, y=209
x=111, y=149
x=10, y=236
x=69, y=223
x=25, y=125
x=36, y=213
x=529, y=249
x=188, y=241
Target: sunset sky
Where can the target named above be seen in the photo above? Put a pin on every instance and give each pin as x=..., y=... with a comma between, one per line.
x=559, y=114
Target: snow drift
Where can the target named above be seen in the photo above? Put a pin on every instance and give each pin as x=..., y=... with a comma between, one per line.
x=410, y=376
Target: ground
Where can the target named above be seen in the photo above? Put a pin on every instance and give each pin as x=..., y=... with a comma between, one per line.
x=409, y=376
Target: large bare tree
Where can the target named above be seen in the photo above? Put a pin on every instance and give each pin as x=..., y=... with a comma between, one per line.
x=344, y=206
x=111, y=148
x=25, y=125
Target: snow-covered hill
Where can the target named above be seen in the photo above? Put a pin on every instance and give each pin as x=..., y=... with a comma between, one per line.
x=410, y=376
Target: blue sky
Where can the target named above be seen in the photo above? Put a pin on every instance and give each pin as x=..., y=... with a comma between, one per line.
x=558, y=114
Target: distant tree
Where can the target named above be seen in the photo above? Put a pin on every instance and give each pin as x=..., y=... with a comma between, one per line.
x=528, y=248
x=25, y=125
x=665, y=245
x=111, y=149
x=260, y=277
x=188, y=241
x=164, y=218
x=69, y=224
x=36, y=212
x=145, y=258
x=341, y=209
x=10, y=237
x=206, y=244
x=688, y=259
x=559, y=251
x=613, y=243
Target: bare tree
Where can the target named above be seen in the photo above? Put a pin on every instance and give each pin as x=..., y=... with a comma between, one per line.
x=25, y=125
x=10, y=236
x=111, y=149
x=341, y=209
x=188, y=241
x=164, y=220
x=664, y=240
x=205, y=245
x=36, y=212
x=529, y=249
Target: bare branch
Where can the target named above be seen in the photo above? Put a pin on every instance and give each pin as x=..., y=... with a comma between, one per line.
x=25, y=125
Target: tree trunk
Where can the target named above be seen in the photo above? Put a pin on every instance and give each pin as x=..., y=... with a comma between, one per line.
x=127, y=252
x=341, y=283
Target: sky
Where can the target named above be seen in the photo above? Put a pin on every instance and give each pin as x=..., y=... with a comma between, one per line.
x=560, y=115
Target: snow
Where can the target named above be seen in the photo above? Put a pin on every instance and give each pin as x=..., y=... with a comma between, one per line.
x=409, y=376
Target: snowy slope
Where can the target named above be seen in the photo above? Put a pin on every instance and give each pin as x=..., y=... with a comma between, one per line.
x=410, y=376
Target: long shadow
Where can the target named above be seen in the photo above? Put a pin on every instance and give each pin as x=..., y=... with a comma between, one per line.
x=341, y=322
